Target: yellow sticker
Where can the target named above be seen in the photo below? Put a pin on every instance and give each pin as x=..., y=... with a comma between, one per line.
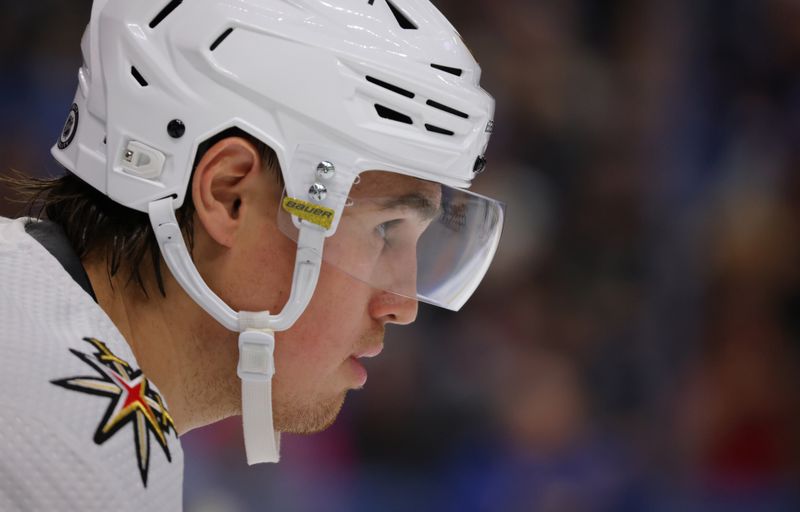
x=310, y=212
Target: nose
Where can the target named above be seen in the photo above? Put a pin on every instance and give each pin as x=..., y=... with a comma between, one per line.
x=390, y=308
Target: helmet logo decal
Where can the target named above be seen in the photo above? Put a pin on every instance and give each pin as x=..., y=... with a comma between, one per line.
x=70, y=128
x=310, y=212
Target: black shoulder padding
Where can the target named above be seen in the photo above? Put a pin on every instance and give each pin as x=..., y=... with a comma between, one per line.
x=52, y=238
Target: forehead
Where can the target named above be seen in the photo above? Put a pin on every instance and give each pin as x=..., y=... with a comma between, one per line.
x=391, y=184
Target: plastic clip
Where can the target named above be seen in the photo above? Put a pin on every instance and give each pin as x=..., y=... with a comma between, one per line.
x=256, y=360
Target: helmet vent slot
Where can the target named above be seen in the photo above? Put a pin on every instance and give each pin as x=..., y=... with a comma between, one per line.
x=436, y=129
x=221, y=38
x=138, y=77
x=166, y=11
x=393, y=115
x=401, y=17
x=393, y=88
x=448, y=69
x=447, y=109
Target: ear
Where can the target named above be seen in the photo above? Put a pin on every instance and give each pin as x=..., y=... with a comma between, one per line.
x=221, y=184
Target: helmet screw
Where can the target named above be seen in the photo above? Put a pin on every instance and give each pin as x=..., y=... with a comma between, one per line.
x=176, y=128
x=128, y=155
x=480, y=165
x=326, y=170
x=318, y=192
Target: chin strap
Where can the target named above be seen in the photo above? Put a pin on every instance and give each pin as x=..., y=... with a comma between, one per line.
x=257, y=339
x=257, y=347
x=256, y=368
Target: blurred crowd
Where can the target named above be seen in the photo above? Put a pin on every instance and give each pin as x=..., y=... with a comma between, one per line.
x=636, y=345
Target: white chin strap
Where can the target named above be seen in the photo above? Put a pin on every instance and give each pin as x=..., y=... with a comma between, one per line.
x=257, y=330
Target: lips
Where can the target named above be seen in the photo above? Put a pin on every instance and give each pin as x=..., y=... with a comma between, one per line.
x=359, y=371
x=369, y=351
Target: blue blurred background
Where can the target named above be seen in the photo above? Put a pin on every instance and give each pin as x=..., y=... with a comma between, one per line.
x=636, y=345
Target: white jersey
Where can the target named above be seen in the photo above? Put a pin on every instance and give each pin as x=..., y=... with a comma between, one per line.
x=80, y=427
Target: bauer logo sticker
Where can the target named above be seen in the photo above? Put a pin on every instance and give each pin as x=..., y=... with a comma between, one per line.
x=310, y=212
x=70, y=128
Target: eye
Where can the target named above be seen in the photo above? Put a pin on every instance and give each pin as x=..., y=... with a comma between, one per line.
x=381, y=229
x=384, y=230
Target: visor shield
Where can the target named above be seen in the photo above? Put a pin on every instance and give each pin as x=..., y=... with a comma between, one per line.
x=414, y=238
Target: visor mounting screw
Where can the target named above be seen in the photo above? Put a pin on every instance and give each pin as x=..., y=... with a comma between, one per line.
x=176, y=128
x=318, y=192
x=128, y=156
x=326, y=170
x=480, y=165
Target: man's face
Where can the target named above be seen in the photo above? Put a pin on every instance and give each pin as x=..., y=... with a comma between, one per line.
x=317, y=360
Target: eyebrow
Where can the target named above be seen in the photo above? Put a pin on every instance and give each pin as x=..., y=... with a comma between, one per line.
x=426, y=208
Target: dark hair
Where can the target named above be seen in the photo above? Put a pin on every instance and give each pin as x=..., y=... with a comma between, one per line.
x=93, y=222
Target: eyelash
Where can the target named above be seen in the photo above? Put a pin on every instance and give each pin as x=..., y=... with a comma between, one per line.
x=384, y=227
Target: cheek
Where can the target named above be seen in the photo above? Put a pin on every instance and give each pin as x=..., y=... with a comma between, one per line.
x=259, y=272
x=339, y=303
x=329, y=330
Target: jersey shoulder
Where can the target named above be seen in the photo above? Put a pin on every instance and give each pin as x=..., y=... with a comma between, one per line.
x=69, y=380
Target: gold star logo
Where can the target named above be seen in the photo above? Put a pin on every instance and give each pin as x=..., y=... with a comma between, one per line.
x=133, y=400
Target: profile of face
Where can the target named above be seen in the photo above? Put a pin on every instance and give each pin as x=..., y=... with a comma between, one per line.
x=367, y=280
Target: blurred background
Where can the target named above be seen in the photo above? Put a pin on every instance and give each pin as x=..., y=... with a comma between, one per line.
x=636, y=346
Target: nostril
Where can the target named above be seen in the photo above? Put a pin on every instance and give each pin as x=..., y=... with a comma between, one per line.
x=389, y=308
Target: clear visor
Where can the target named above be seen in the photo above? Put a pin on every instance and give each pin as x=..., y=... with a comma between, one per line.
x=414, y=238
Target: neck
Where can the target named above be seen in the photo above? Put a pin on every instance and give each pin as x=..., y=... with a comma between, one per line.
x=179, y=348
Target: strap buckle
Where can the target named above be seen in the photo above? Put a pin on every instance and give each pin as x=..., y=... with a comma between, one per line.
x=256, y=360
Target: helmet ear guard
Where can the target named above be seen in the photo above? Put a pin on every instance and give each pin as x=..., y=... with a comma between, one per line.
x=380, y=86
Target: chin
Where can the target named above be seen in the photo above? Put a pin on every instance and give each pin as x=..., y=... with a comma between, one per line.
x=308, y=419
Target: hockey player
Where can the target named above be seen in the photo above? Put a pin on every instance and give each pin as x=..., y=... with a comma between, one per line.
x=254, y=190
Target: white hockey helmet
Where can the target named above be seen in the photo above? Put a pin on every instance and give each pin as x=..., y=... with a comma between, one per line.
x=335, y=88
